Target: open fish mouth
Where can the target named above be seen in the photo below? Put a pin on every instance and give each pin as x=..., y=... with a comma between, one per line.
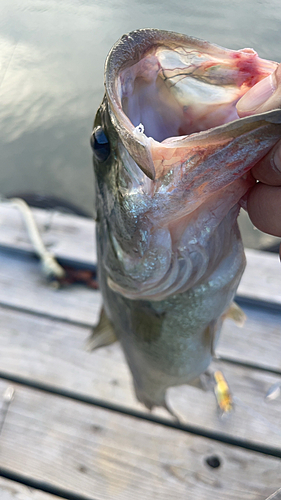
x=163, y=87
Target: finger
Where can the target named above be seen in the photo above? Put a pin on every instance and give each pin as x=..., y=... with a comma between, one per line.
x=268, y=169
x=264, y=208
x=264, y=96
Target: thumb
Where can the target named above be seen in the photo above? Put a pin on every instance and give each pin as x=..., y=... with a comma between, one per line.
x=264, y=96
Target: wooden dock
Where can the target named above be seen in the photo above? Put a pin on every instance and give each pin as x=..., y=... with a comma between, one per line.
x=70, y=426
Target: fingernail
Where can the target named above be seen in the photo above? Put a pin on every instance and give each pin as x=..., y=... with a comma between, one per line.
x=277, y=159
x=256, y=96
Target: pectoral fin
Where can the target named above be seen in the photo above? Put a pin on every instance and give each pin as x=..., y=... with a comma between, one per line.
x=236, y=314
x=103, y=333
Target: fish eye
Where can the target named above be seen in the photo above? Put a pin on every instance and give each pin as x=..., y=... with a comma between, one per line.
x=100, y=144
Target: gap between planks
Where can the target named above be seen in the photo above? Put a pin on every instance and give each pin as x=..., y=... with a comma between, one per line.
x=97, y=453
x=15, y=487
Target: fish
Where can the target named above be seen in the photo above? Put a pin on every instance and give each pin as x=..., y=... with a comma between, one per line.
x=172, y=164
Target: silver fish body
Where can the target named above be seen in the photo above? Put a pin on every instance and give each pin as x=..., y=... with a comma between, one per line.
x=172, y=161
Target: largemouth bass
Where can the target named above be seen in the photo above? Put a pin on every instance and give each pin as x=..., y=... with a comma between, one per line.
x=172, y=162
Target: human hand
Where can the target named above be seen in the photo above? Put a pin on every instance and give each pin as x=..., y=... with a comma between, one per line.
x=264, y=199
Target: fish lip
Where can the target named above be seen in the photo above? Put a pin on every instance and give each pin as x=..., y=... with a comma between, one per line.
x=128, y=50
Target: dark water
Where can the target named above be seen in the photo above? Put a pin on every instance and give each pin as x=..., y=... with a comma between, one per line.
x=51, y=78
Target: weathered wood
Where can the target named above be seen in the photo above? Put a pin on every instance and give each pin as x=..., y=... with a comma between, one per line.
x=67, y=236
x=72, y=237
x=11, y=490
x=102, y=454
x=258, y=342
x=23, y=286
x=262, y=277
x=47, y=352
x=275, y=496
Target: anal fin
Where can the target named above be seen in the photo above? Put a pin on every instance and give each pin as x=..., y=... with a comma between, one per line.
x=103, y=333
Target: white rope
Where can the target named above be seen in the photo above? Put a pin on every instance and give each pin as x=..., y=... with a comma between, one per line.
x=50, y=266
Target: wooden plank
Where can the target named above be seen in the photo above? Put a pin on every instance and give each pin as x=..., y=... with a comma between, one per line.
x=11, y=490
x=66, y=236
x=51, y=353
x=23, y=286
x=72, y=237
x=101, y=454
x=262, y=277
x=258, y=342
